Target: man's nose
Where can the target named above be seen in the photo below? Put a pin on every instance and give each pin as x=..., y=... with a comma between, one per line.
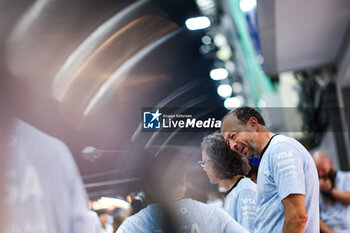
x=234, y=146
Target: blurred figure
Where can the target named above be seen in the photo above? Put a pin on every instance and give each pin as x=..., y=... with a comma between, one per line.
x=103, y=215
x=164, y=184
x=287, y=185
x=254, y=166
x=43, y=189
x=335, y=195
x=138, y=203
x=227, y=168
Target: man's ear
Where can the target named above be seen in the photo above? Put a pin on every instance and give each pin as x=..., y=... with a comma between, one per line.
x=253, y=122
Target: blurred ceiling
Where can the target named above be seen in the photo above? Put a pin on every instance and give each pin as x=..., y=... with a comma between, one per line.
x=83, y=71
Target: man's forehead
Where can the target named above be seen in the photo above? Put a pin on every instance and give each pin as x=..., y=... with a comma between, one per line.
x=230, y=124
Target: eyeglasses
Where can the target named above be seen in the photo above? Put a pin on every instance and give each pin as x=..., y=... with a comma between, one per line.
x=202, y=163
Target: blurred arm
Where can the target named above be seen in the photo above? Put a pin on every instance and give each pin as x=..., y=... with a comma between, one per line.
x=324, y=228
x=343, y=197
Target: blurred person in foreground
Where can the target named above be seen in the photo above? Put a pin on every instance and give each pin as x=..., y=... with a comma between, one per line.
x=287, y=185
x=42, y=191
x=170, y=212
x=335, y=195
x=227, y=168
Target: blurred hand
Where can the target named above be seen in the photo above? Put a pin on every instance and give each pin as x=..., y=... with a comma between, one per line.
x=325, y=184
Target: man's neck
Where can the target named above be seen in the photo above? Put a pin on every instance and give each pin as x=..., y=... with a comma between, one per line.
x=229, y=183
x=264, y=137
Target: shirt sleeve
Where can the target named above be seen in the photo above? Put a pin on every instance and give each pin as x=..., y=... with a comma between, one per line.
x=246, y=209
x=287, y=166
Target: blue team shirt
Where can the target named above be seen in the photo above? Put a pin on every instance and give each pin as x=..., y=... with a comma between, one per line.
x=240, y=203
x=337, y=216
x=286, y=168
x=192, y=216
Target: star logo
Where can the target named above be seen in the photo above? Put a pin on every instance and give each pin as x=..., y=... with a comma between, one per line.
x=156, y=115
x=151, y=120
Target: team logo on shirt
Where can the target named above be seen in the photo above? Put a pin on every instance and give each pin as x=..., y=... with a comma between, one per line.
x=152, y=120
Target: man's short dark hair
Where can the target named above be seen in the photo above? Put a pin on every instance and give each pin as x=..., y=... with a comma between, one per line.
x=226, y=162
x=243, y=114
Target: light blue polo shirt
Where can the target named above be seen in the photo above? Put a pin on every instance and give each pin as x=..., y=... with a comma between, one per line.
x=192, y=216
x=240, y=203
x=286, y=168
x=337, y=216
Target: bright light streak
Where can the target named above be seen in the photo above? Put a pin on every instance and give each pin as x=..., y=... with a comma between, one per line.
x=218, y=74
x=247, y=5
x=224, y=90
x=197, y=23
x=233, y=102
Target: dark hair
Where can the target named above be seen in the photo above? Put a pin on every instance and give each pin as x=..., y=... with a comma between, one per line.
x=226, y=162
x=243, y=114
x=101, y=212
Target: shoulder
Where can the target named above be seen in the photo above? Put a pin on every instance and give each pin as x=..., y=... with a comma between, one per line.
x=281, y=142
x=203, y=207
x=249, y=184
x=283, y=147
x=138, y=219
x=52, y=153
x=247, y=191
x=27, y=134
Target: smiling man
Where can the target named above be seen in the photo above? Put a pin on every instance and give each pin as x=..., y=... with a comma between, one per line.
x=288, y=187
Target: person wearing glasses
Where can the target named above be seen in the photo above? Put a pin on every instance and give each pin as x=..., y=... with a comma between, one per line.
x=288, y=186
x=170, y=212
x=227, y=168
